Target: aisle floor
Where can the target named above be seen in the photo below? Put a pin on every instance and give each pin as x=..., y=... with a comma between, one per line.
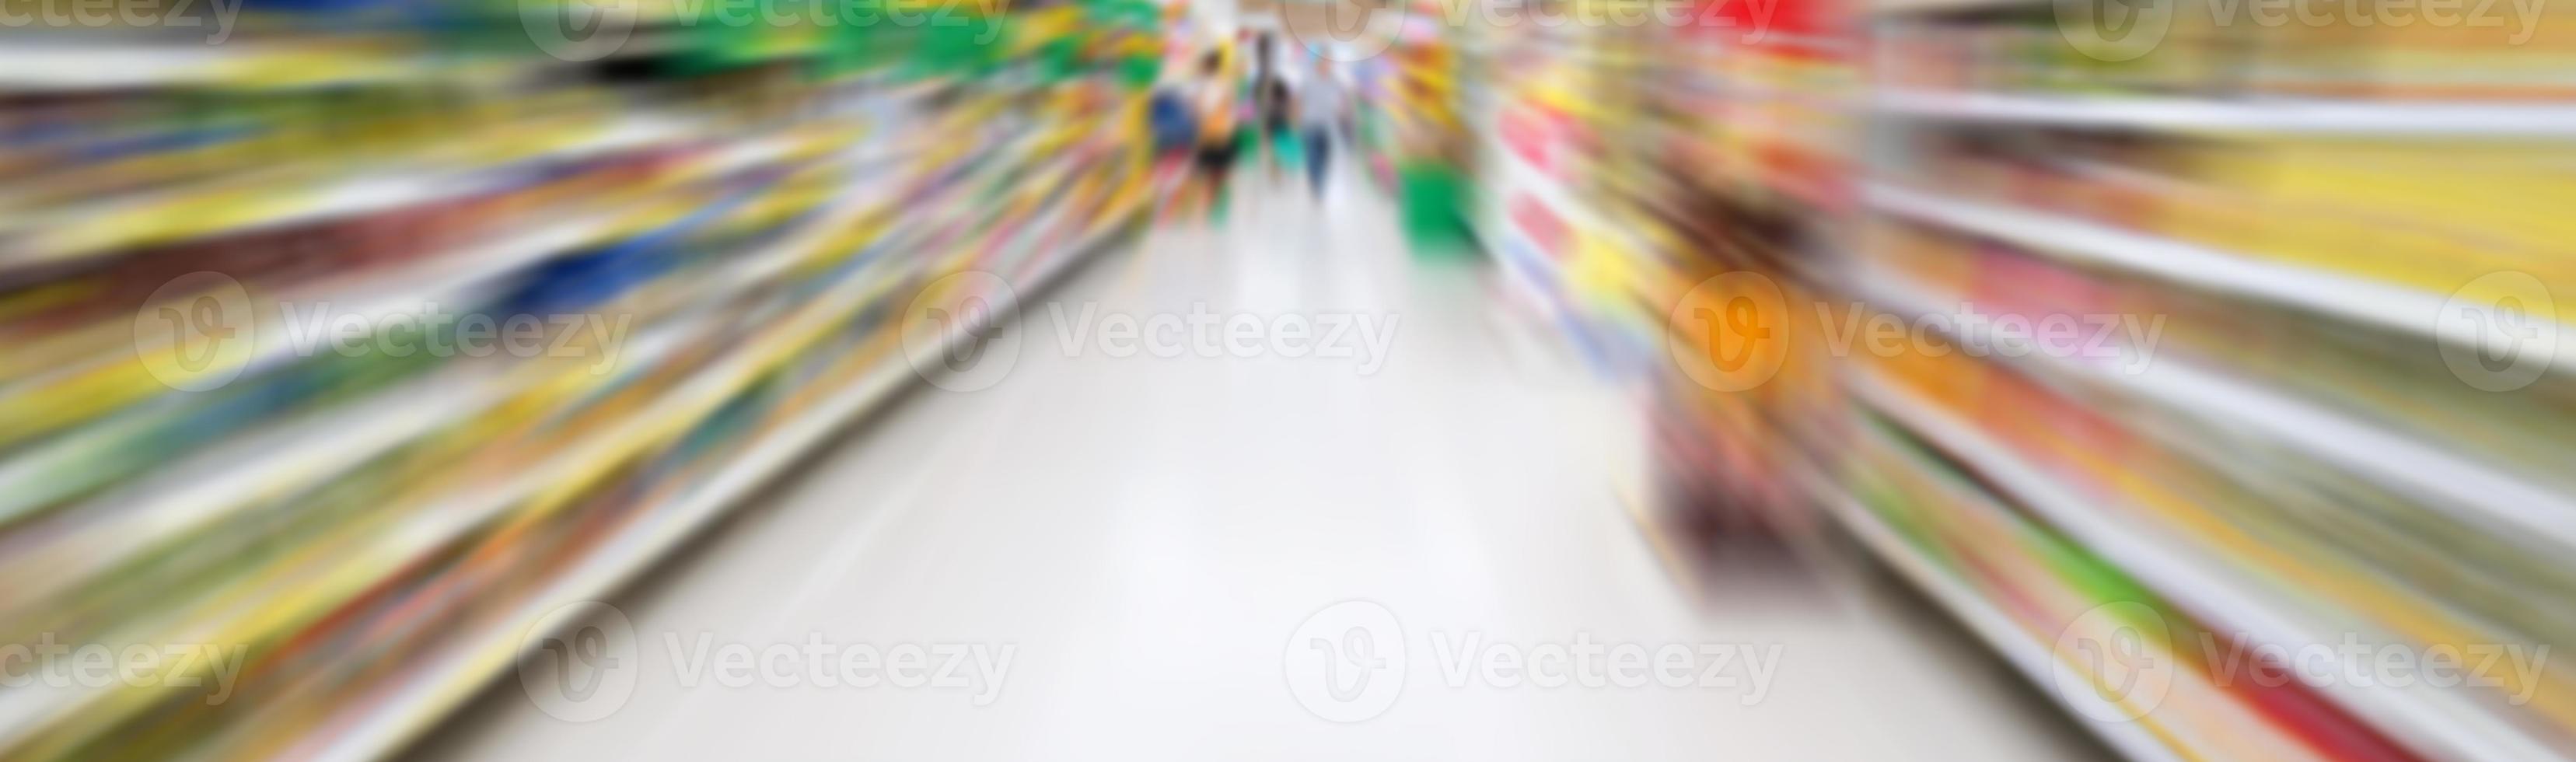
x=1149, y=534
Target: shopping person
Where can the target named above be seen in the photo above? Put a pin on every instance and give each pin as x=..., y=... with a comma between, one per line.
x=1272, y=103
x=1217, y=126
x=1323, y=109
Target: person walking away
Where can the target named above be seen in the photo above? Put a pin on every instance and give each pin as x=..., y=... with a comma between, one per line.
x=1174, y=124
x=1322, y=109
x=1271, y=103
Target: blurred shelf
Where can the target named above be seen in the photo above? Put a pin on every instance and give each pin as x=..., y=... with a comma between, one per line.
x=267, y=462
x=370, y=525
x=2431, y=119
x=1949, y=6
x=58, y=66
x=439, y=684
x=441, y=520
x=2424, y=717
x=329, y=574
x=1519, y=174
x=2440, y=479
x=2348, y=297
x=2032, y=658
x=352, y=560
x=117, y=222
x=457, y=276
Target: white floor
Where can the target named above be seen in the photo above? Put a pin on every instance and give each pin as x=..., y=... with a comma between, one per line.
x=1150, y=533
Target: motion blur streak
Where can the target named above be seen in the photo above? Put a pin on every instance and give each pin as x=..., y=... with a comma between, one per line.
x=1165, y=379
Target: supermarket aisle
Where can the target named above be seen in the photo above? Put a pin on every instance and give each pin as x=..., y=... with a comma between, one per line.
x=1146, y=534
